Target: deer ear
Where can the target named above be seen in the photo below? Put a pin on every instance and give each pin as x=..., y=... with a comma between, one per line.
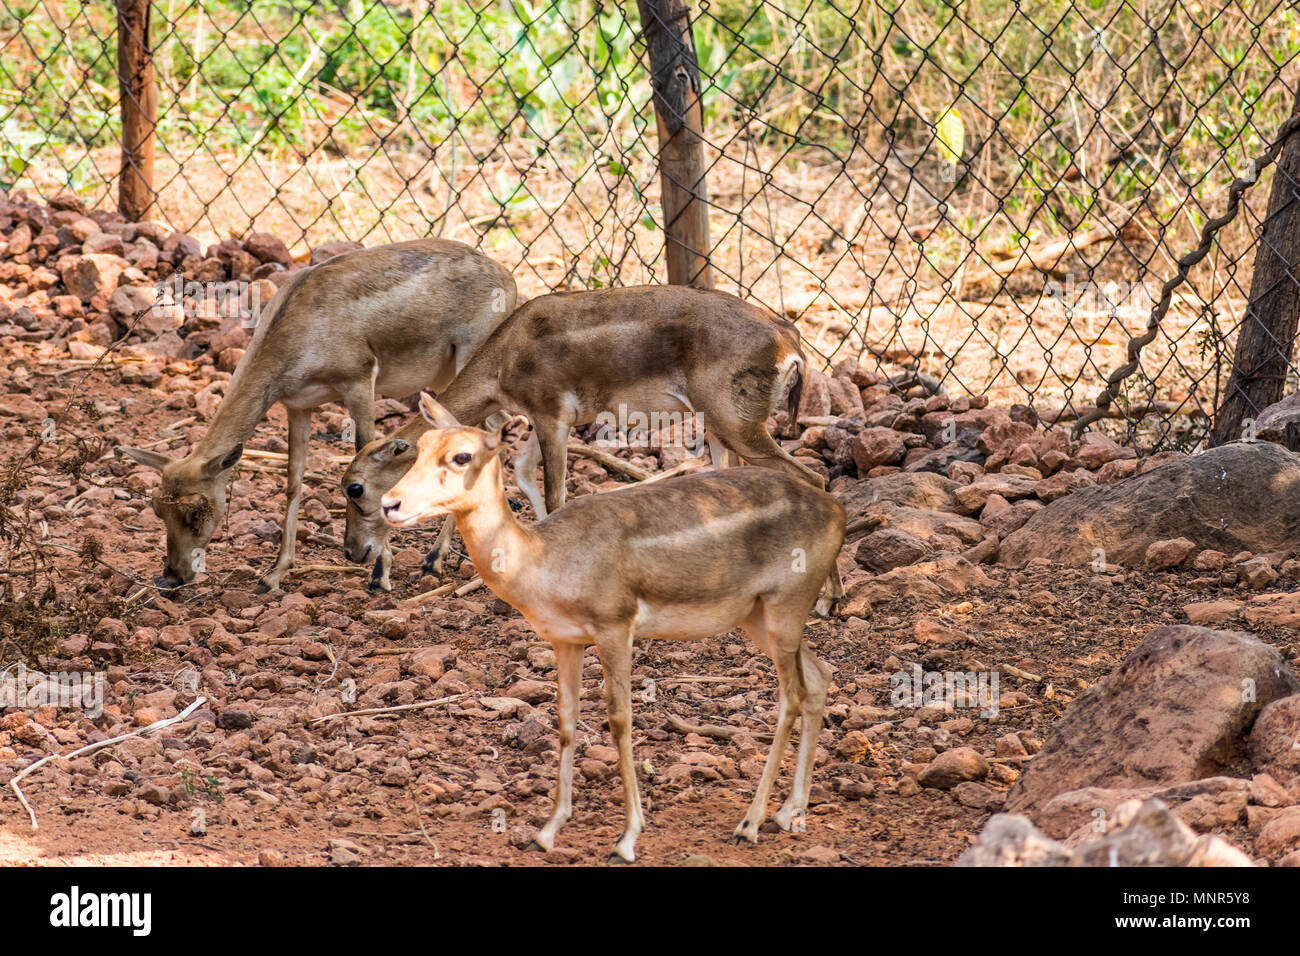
x=150, y=459
x=512, y=435
x=219, y=463
x=435, y=414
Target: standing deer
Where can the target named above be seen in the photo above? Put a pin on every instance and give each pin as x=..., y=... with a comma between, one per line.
x=389, y=320
x=687, y=558
x=564, y=360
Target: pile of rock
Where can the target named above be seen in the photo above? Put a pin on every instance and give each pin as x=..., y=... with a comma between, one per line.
x=86, y=276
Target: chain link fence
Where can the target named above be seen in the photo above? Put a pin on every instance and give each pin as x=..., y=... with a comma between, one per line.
x=985, y=195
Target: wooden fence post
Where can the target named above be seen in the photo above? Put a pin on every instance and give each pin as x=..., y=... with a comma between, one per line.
x=139, y=104
x=679, y=115
x=1265, y=341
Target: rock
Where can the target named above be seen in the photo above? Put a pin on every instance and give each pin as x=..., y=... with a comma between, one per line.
x=1256, y=574
x=1212, y=612
x=887, y=548
x=922, y=490
x=1275, y=739
x=1095, y=450
x=1127, y=517
x=1063, y=483
x=129, y=300
x=1012, y=840
x=91, y=275
x=815, y=400
x=971, y=498
x=877, y=446
x=104, y=242
x=1276, y=609
x=268, y=248
x=1210, y=560
x=532, y=691
x=1273, y=422
x=976, y=795
x=846, y=400
x=1149, y=834
x=1171, y=553
x=1267, y=792
x=1281, y=834
x=1173, y=711
x=952, y=767
x=1013, y=517
x=328, y=250
x=964, y=449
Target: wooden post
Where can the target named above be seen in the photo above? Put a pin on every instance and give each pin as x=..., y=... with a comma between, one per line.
x=139, y=103
x=1265, y=342
x=679, y=115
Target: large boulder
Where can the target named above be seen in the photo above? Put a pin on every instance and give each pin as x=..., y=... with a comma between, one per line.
x=1214, y=499
x=1177, y=708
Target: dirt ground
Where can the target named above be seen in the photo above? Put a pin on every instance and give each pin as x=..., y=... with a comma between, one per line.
x=466, y=781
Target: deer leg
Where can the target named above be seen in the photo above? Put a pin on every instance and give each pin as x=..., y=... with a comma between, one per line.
x=526, y=474
x=723, y=457
x=379, y=574
x=299, y=435
x=816, y=680
x=433, y=561
x=568, y=661
x=359, y=400
x=616, y=658
x=789, y=697
x=553, y=435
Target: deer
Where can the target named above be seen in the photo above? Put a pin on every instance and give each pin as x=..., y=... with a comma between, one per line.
x=569, y=358
x=389, y=320
x=686, y=558
x=376, y=468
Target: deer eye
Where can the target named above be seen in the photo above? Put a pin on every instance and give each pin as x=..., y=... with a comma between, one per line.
x=195, y=516
x=462, y=459
x=355, y=490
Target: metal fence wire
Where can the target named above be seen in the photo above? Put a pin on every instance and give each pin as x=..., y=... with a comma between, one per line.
x=988, y=193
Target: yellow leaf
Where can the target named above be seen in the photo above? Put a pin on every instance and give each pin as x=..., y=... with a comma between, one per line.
x=952, y=136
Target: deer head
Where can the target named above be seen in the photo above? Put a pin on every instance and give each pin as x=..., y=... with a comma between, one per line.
x=191, y=500
x=450, y=461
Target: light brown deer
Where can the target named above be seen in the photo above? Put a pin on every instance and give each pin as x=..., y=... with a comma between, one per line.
x=390, y=320
x=569, y=359
x=686, y=558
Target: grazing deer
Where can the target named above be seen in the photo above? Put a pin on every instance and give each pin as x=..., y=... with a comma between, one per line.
x=390, y=320
x=684, y=559
x=566, y=359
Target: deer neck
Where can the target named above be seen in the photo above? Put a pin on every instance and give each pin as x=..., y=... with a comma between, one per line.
x=245, y=404
x=505, y=553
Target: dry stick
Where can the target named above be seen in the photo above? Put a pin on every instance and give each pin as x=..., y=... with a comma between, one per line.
x=1136, y=344
x=91, y=748
x=337, y=568
x=399, y=708
x=703, y=680
x=1017, y=672
x=609, y=461
x=713, y=730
